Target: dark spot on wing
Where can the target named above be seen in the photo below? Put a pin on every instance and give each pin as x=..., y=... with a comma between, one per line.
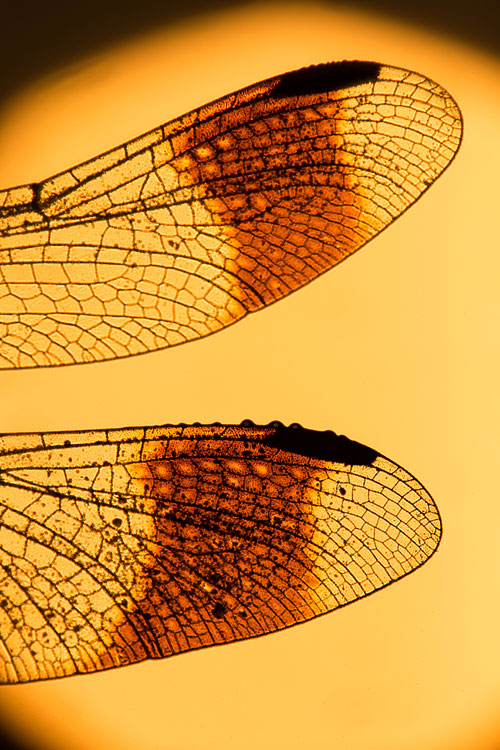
x=324, y=445
x=36, y=201
x=219, y=610
x=328, y=77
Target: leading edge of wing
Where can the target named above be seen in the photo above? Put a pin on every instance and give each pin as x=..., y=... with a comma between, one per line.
x=29, y=200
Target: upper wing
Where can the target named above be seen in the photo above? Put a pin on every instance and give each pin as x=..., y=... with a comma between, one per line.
x=122, y=545
x=185, y=230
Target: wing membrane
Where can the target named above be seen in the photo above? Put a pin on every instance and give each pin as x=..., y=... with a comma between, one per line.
x=185, y=230
x=123, y=545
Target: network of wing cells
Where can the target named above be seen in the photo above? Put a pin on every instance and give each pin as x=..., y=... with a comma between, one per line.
x=124, y=545
x=118, y=546
x=192, y=226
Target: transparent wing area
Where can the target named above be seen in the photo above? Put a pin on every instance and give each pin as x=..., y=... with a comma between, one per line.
x=121, y=546
x=187, y=229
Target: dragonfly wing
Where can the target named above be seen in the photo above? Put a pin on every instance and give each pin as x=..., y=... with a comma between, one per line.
x=185, y=230
x=120, y=546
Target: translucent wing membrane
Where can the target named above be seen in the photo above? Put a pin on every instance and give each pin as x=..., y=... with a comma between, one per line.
x=185, y=230
x=124, y=545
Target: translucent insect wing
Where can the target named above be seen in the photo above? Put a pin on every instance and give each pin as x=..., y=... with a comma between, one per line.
x=124, y=545
x=185, y=230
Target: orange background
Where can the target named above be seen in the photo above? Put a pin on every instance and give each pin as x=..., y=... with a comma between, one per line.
x=397, y=348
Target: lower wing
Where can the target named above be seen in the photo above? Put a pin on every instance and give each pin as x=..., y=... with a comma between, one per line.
x=124, y=545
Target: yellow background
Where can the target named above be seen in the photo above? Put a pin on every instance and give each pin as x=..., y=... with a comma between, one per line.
x=397, y=348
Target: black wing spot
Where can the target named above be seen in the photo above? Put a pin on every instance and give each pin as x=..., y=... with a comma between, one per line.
x=328, y=77
x=323, y=445
x=219, y=610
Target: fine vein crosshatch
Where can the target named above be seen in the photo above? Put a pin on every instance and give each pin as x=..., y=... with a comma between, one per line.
x=122, y=545
x=188, y=228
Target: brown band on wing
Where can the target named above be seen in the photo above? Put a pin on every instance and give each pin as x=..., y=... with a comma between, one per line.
x=283, y=190
x=255, y=532
x=296, y=186
x=232, y=527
